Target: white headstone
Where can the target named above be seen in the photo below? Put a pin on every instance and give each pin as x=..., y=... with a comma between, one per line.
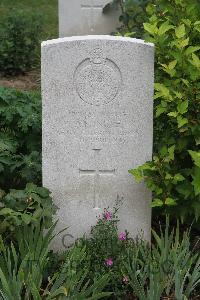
x=82, y=17
x=97, y=124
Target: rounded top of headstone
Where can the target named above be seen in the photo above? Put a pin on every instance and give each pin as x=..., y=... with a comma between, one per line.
x=97, y=37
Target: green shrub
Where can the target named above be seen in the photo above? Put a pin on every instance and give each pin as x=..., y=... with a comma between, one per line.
x=21, y=203
x=33, y=205
x=20, y=138
x=20, y=37
x=174, y=174
x=106, y=250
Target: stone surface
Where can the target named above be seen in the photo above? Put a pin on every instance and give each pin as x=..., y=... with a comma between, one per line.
x=82, y=17
x=97, y=124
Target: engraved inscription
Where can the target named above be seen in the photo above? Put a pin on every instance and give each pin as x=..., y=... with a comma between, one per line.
x=97, y=79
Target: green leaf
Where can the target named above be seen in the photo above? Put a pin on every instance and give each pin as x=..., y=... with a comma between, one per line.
x=151, y=28
x=195, y=60
x=180, y=31
x=163, y=91
x=164, y=28
x=170, y=202
x=172, y=64
x=184, y=42
x=181, y=121
x=157, y=203
x=6, y=211
x=182, y=107
x=173, y=114
x=26, y=218
x=191, y=49
x=186, y=82
x=179, y=177
x=195, y=156
x=160, y=110
x=197, y=26
x=196, y=181
x=171, y=152
x=137, y=174
x=43, y=192
x=31, y=187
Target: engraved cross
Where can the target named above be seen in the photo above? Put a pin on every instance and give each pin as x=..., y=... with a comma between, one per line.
x=91, y=5
x=96, y=173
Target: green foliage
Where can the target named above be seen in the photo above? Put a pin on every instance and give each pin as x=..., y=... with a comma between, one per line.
x=20, y=138
x=20, y=162
x=132, y=16
x=170, y=269
x=22, y=270
x=32, y=205
x=174, y=173
x=20, y=37
x=167, y=268
x=106, y=252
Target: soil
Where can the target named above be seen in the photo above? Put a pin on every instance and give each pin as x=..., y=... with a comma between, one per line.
x=29, y=81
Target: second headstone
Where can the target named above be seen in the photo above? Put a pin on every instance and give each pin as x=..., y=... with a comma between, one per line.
x=83, y=17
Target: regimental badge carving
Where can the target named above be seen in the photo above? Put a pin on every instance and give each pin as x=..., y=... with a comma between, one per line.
x=97, y=79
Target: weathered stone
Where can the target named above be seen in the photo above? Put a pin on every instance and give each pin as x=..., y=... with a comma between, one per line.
x=97, y=124
x=82, y=17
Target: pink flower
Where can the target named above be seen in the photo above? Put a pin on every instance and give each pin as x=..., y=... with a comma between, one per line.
x=125, y=280
x=122, y=236
x=109, y=262
x=108, y=215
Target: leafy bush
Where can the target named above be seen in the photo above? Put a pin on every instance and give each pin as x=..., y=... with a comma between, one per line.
x=20, y=138
x=174, y=173
x=106, y=252
x=32, y=205
x=20, y=37
x=20, y=162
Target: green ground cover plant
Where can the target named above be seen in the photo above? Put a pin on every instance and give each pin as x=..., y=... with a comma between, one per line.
x=174, y=174
x=107, y=265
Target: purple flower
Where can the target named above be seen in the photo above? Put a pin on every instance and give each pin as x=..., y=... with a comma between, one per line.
x=122, y=236
x=125, y=280
x=108, y=215
x=109, y=262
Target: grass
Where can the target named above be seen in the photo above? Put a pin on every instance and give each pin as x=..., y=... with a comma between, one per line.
x=48, y=9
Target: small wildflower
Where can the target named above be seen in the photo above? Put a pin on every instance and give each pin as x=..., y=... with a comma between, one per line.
x=108, y=215
x=122, y=236
x=125, y=280
x=109, y=262
x=28, y=200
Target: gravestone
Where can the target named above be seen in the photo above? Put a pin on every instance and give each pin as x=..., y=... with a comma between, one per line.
x=97, y=124
x=83, y=17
